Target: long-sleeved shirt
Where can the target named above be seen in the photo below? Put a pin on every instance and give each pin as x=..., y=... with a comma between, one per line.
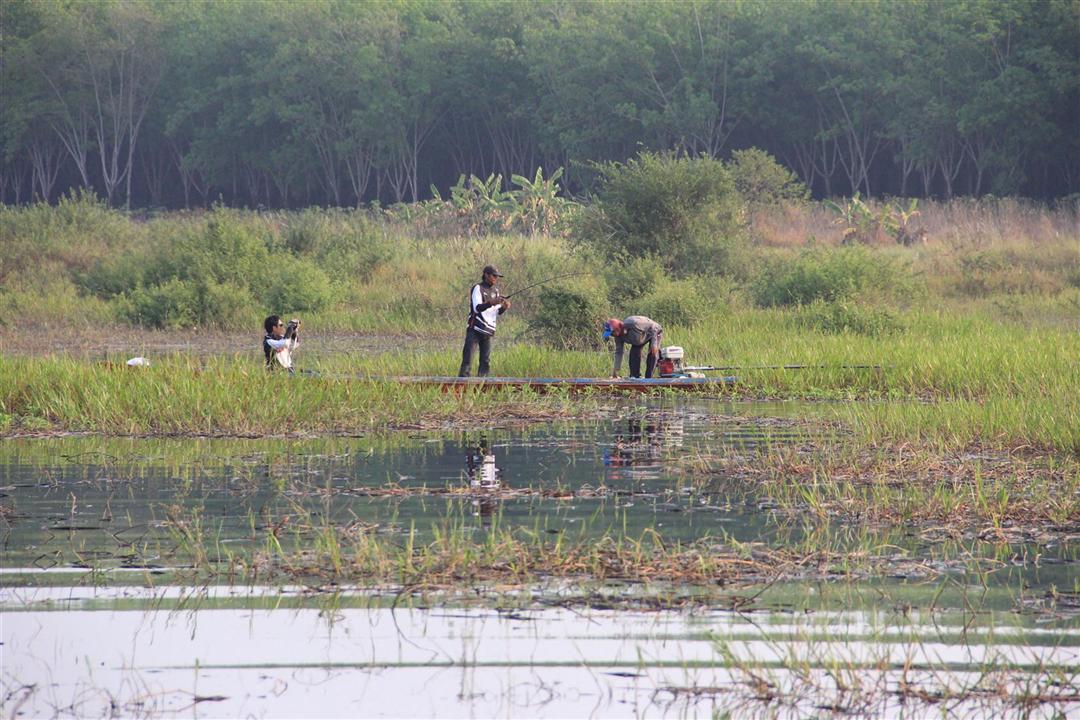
x=280, y=350
x=637, y=330
x=483, y=311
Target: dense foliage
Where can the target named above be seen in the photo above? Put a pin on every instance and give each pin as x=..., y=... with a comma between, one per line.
x=682, y=211
x=338, y=103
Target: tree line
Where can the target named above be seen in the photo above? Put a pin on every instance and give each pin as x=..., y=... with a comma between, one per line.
x=335, y=102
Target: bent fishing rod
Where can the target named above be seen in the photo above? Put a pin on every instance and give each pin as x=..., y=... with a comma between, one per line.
x=545, y=282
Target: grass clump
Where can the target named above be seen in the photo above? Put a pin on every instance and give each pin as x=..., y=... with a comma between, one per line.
x=844, y=316
x=830, y=274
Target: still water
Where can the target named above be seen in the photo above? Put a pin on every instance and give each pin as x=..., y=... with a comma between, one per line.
x=96, y=622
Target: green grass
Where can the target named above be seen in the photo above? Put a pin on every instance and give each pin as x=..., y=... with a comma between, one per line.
x=231, y=396
x=975, y=331
x=942, y=381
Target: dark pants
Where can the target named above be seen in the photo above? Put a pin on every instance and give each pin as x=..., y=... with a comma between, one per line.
x=635, y=362
x=473, y=338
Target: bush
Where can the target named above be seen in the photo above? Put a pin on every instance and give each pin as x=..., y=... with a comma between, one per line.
x=846, y=317
x=227, y=250
x=631, y=280
x=829, y=274
x=570, y=319
x=40, y=240
x=215, y=273
x=224, y=305
x=683, y=211
x=678, y=302
x=299, y=286
x=173, y=304
x=356, y=254
x=186, y=303
x=761, y=180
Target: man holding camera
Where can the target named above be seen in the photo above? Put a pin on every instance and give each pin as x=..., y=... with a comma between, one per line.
x=279, y=342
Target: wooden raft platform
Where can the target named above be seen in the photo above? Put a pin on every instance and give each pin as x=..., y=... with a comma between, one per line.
x=540, y=384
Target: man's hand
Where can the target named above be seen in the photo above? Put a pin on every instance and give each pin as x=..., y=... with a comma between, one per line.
x=505, y=302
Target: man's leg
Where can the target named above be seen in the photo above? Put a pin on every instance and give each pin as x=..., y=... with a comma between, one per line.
x=466, y=353
x=650, y=365
x=635, y=360
x=485, y=354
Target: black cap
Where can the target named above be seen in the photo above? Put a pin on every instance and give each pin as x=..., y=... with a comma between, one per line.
x=492, y=270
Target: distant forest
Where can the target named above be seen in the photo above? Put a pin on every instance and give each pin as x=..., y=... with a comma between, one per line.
x=328, y=102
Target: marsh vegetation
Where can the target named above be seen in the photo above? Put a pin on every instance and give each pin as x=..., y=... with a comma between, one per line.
x=918, y=468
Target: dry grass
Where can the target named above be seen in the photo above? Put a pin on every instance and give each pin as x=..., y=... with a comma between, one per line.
x=957, y=225
x=993, y=496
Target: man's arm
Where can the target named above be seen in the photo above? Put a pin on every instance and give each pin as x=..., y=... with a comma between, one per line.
x=279, y=345
x=477, y=300
x=618, y=357
x=655, y=333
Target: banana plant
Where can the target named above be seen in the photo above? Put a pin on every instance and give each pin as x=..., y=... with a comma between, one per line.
x=902, y=218
x=856, y=219
x=538, y=200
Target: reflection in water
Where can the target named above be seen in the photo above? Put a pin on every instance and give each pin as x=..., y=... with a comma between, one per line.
x=484, y=479
x=638, y=451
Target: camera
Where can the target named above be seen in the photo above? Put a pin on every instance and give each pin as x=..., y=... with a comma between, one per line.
x=291, y=328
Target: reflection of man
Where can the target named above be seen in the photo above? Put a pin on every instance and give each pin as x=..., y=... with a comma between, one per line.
x=644, y=441
x=483, y=476
x=480, y=467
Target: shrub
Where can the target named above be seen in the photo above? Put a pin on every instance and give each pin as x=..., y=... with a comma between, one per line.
x=224, y=305
x=355, y=253
x=761, y=180
x=631, y=280
x=186, y=303
x=829, y=274
x=226, y=251
x=41, y=240
x=113, y=276
x=172, y=304
x=569, y=319
x=674, y=302
x=299, y=286
x=683, y=211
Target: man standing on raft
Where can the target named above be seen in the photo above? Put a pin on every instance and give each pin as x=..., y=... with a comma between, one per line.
x=486, y=304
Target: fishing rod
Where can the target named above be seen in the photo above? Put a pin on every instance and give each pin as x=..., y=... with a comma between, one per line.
x=544, y=282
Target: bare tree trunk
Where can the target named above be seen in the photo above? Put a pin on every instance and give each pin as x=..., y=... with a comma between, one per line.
x=74, y=133
x=358, y=164
x=185, y=173
x=927, y=171
x=949, y=161
x=397, y=175
x=154, y=166
x=17, y=176
x=45, y=159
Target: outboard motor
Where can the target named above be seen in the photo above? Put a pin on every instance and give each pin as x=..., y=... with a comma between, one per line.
x=671, y=362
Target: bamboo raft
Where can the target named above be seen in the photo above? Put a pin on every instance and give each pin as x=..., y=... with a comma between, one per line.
x=541, y=384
